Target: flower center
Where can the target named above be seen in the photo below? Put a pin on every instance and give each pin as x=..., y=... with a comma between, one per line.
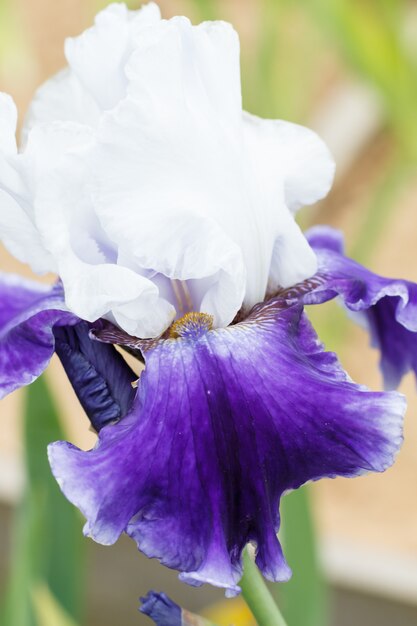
x=192, y=325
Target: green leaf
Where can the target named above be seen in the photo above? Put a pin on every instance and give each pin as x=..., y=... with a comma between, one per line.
x=48, y=543
x=303, y=599
x=48, y=611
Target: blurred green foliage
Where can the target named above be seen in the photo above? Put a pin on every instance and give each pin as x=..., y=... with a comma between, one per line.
x=47, y=552
x=371, y=38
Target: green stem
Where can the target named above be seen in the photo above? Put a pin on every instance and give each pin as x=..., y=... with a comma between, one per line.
x=257, y=595
x=301, y=550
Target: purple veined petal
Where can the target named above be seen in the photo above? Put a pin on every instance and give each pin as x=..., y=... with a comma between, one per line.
x=99, y=375
x=28, y=313
x=386, y=307
x=224, y=423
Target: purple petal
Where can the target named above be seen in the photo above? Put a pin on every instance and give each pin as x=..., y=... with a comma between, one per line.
x=164, y=612
x=100, y=376
x=387, y=307
x=226, y=421
x=161, y=609
x=28, y=313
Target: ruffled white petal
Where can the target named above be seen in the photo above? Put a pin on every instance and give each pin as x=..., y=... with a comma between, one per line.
x=293, y=260
x=18, y=230
x=291, y=153
x=116, y=293
x=98, y=56
x=144, y=185
x=177, y=67
x=192, y=250
x=95, y=79
x=61, y=98
x=20, y=236
x=173, y=148
x=291, y=167
x=95, y=285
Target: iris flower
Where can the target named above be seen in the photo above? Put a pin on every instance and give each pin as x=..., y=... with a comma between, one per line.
x=168, y=214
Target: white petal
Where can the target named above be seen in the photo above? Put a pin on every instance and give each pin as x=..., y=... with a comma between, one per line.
x=293, y=154
x=21, y=175
x=17, y=228
x=8, y=122
x=147, y=316
x=185, y=247
x=61, y=196
x=47, y=150
x=147, y=15
x=20, y=236
x=179, y=244
x=61, y=98
x=293, y=260
x=140, y=170
x=96, y=79
x=168, y=164
x=95, y=286
x=108, y=290
x=161, y=211
x=178, y=67
x=291, y=167
x=98, y=56
x=47, y=144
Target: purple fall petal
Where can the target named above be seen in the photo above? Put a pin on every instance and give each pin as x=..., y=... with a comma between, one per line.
x=100, y=376
x=225, y=421
x=28, y=313
x=388, y=307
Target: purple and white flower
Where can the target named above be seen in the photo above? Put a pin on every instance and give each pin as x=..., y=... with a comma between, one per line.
x=168, y=214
